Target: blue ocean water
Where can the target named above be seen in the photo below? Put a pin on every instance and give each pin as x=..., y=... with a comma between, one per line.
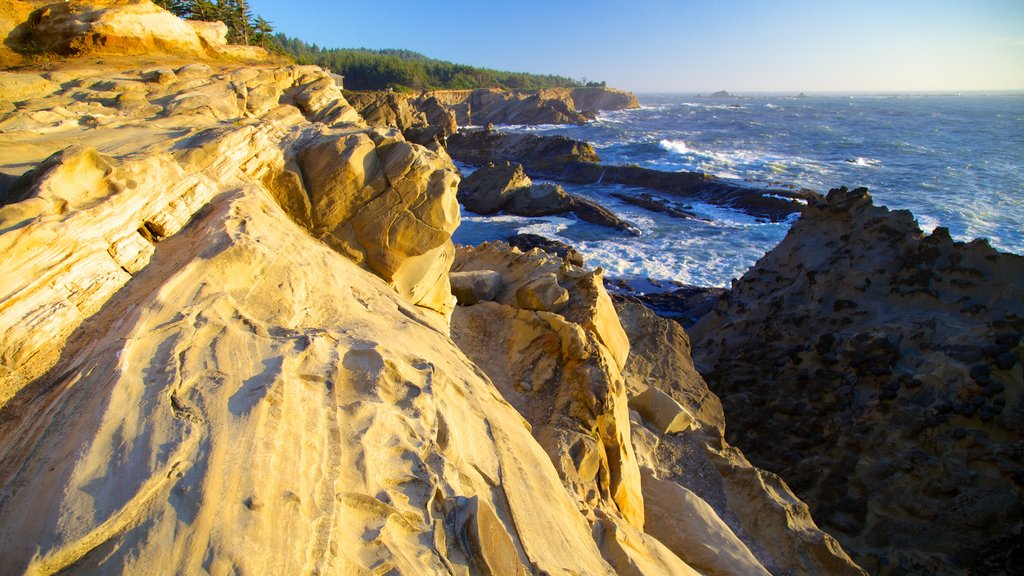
x=953, y=160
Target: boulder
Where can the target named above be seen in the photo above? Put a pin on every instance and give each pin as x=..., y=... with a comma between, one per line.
x=661, y=411
x=528, y=242
x=123, y=28
x=543, y=199
x=477, y=286
x=561, y=370
x=489, y=189
x=686, y=525
x=542, y=293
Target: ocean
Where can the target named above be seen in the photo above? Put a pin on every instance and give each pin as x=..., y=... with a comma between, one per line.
x=953, y=160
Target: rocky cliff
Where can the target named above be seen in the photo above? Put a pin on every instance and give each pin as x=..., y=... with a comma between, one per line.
x=877, y=369
x=229, y=345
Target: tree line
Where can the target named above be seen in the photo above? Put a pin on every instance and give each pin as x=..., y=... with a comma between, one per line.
x=363, y=69
x=244, y=27
x=366, y=69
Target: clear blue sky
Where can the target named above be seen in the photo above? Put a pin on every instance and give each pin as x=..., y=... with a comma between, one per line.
x=693, y=46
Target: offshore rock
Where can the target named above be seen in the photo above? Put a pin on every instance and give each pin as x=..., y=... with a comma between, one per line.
x=884, y=343
x=565, y=160
x=506, y=187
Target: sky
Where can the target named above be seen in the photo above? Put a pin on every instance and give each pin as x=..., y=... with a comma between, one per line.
x=693, y=46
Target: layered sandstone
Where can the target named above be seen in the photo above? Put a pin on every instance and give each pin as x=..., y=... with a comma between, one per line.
x=578, y=371
x=225, y=348
x=877, y=369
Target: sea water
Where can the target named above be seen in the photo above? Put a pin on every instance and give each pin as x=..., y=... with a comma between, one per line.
x=953, y=160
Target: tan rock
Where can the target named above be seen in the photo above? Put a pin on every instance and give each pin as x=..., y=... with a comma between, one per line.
x=689, y=527
x=542, y=293
x=559, y=372
x=252, y=338
x=478, y=286
x=123, y=28
x=661, y=411
x=635, y=553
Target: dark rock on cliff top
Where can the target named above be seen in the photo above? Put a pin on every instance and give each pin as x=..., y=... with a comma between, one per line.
x=527, y=242
x=862, y=360
x=566, y=160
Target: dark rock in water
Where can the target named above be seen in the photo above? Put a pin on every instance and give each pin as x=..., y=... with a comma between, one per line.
x=721, y=94
x=543, y=199
x=656, y=204
x=527, y=242
x=505, y=187
x=892, y=342
x=565, y=160
x=534, y=152
x=686, y=304
x=489, y=189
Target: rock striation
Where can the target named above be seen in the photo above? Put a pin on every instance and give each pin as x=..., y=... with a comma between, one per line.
x=877, y=369
x=124, y=27
x=562, y=368
x=228, y=345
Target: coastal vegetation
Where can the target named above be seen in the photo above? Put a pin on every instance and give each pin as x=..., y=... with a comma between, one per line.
x=366, y=69
x=363, y=69
x=244, y=27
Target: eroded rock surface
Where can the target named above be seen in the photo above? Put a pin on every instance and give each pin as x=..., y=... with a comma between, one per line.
x=877, y=369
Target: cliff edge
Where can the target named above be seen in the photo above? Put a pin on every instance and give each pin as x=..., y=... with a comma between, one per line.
x=229, y=344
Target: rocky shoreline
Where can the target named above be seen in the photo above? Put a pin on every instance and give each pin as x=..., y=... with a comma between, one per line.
x=236, y=336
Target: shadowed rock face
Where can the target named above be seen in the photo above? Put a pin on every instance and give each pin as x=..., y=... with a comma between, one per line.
x=877, y=369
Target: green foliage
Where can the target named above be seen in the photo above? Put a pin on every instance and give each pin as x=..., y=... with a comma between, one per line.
x=406, y=70
x=244, y=27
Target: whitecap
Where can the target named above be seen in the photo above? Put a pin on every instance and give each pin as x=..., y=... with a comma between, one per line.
x=677, y=146
x=865, y=162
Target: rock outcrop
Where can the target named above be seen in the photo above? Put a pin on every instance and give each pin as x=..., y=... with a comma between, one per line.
x=122, y=28
x=565, y=160
x=561, y=369
x=878, y=370
x=225, y=348
x=506, y=188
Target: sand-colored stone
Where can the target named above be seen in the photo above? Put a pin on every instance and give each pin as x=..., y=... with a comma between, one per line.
x=478, y=286
x=661, y=411
x=692, y=529
x=560, y=370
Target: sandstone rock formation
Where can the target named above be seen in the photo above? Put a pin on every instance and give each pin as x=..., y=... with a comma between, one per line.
x=562, y=371
x=878, y=370
x=565, y=160
x=124, y=27
x=224, y=348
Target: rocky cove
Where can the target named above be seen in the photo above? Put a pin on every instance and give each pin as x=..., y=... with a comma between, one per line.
x=230, y=344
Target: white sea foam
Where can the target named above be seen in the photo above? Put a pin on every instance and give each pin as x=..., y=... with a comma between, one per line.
x=677, y=146
x=866, y=162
